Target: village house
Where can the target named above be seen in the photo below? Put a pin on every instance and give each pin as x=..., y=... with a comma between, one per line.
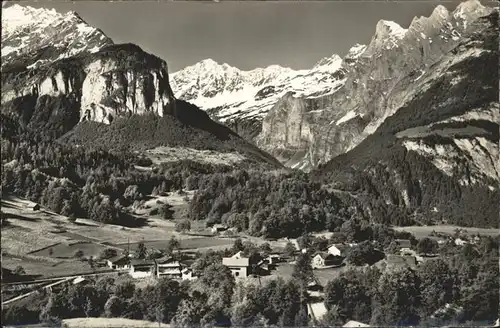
x=36, y=207
x=187, y=274
x=216, y=228
x=322, y=259
x=238, y=264
x=338, y=249
x=141, y=268
x=120, y=262
x=167, y=267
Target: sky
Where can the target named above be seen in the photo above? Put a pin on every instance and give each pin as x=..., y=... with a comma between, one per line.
x=245, y=34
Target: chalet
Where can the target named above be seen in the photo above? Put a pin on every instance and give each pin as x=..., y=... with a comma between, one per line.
x=167, y=267
x=216, y=228
x=142, y=268
x=352, y=323
x=323, y=259
x=238, y=264
x=399, y=261
x=338, y=249
x=187, y=274
x=120, y=262
x=460, y=242
x=404, y=245
x=36, y=207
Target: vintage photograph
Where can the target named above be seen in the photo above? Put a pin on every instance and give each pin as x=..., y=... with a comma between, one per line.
x=250, y=163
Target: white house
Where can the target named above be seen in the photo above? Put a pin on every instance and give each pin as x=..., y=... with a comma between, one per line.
x=142, y=268
x=216, y=228
x=187, y=274
x=460, y=242
x=322, y=260
x=338, y=249
x=238, y=264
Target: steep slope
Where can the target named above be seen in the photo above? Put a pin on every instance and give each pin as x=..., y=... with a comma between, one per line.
x=99, y=82
x=384, y=77
x=438, y=154
x=240, y=99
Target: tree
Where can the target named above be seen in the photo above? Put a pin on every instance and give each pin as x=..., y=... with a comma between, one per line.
x=108, y=253
x=237, y=246
x=91, y=262
x=265, y=249
x=182, y=226
x=290, y=249
x=113, y=307
x=141, y=251
x=427, y=246
x=79, y=254
x=303, y=271
x=397, y=300
x=173, y=244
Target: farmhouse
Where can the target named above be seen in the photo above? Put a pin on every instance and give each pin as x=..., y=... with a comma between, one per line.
x=216, y=228
x=238, y=264
x=120, y=262
x=322, y=259
x=141, y=268
x=167, y=267
x=338, y=249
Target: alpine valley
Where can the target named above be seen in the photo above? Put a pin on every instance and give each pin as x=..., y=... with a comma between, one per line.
x=132, y=196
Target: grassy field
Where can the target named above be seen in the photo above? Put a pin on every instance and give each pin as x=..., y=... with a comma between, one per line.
x=66, y=250
x=191, y=243
x=424, y=231
x=110, y=323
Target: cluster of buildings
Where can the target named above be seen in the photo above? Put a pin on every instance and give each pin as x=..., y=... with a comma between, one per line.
x=242, y=266
x=165, y=266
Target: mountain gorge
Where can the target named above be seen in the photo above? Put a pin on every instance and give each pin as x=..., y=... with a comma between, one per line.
x=59, y=74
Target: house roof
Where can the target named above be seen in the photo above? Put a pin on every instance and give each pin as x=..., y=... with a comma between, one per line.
x=219, y=226
x=352, y=323
x=165, y=260
x=138, y=262
x=118, y=259
x=340, y=247
x=324, y=255
x=318, y=309
x=231, y=261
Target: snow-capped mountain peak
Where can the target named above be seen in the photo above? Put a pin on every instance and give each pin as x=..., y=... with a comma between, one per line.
x=387, y=28
x=229, y=93
x=29, y=33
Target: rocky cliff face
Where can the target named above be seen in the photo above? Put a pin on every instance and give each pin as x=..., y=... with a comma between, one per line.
x=437, y=155
x=80, y=63
x=379, y=80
